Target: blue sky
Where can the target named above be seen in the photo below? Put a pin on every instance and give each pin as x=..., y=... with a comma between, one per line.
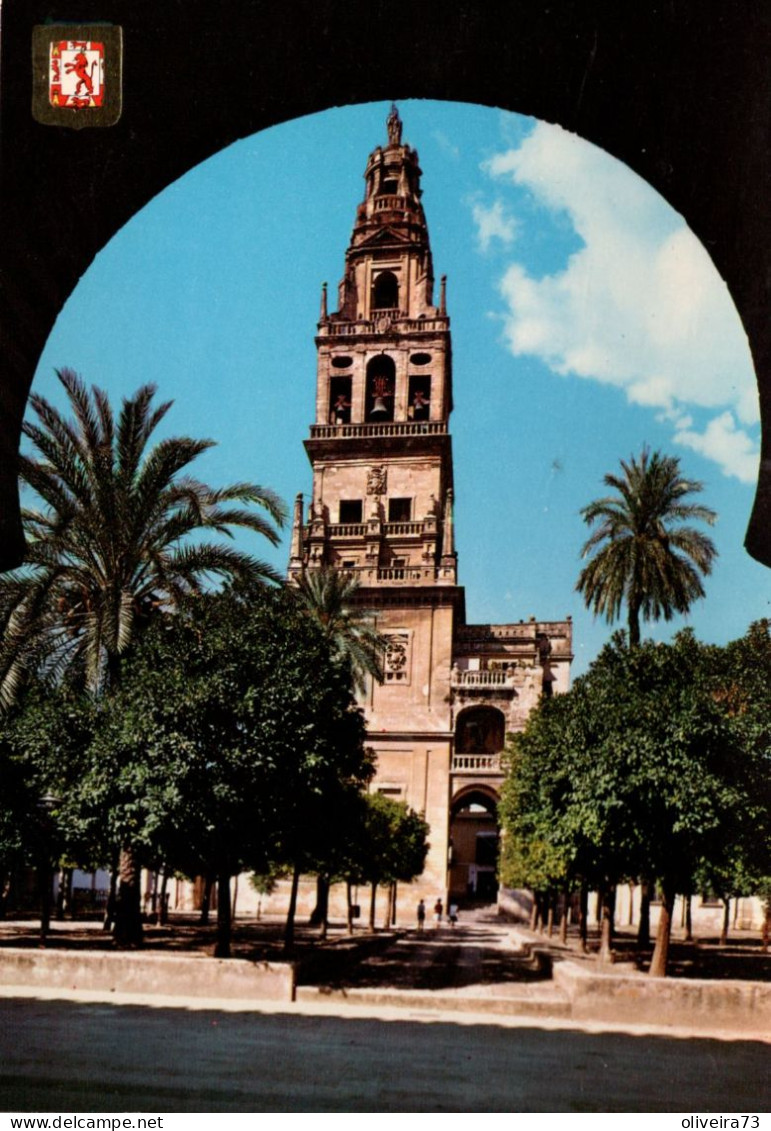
x=586, y=319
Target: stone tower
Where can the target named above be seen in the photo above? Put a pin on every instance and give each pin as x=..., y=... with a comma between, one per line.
x=382, y=509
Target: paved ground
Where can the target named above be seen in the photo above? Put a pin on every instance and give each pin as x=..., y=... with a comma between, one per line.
x=89, y=1056
x=410, y=1051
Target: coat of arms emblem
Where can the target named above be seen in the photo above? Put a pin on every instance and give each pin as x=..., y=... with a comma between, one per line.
x=76, y=74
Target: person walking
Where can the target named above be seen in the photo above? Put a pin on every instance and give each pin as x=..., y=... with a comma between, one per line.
x=453, y=914
x=438, y=909
x=421, y=915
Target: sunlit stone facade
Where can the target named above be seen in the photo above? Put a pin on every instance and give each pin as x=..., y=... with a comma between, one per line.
x=381, y=507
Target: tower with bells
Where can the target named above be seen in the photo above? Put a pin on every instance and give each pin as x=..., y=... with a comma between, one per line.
x=382, y=509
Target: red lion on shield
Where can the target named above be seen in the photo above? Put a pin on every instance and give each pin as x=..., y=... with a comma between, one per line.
x=83, y=71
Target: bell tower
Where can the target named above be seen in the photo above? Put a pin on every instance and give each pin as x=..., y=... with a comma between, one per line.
x=382, y=509
x=381, y=454
x=380, y=446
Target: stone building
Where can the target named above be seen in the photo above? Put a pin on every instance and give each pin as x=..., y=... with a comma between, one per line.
x=382, y=509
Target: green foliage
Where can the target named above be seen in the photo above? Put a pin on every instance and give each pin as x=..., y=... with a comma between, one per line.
x=109, y=535
x=741, y=685
x=233, y=740
x=638, y=770
x=44, y=753
x=641, y=555
x=330, y=597
x=395, y=841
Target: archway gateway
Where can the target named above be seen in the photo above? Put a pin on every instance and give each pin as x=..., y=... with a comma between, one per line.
x=474, y=837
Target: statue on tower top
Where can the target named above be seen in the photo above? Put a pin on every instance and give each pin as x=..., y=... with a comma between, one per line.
x=394, y=126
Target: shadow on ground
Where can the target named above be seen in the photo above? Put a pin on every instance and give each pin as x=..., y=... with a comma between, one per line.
x=100, y=1057
x=432, y=961
x=472, y=954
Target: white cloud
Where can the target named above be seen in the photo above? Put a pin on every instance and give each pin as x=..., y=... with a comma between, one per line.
x=728, y=445
x=640, y=306
x=446, y=145
x=493, y=223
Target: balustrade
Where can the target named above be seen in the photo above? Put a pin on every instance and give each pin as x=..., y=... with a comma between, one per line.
x=400, y=573
x=462, y=678
x=477, y=763
x=347, y=530
x=359, y=431
x=389, y=203
x=399, y=322
x=400, y=529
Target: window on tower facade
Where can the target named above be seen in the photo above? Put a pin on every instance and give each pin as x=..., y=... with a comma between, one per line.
x=381, y=384
x=389, y=185
x=340, y=400
x=420, y=398
x=350, y=510
x=385, y=291
x=399, y=510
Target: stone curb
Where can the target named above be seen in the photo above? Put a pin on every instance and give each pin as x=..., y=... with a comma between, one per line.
x=130, y=972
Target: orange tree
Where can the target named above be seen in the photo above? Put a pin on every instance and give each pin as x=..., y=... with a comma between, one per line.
x=233, y=743
x=638, y=771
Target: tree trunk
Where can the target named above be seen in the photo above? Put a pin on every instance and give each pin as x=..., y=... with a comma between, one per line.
x=320, y=912
x=5, y=888
x=290, y=915
x=127, y=931
x=688, y=920
x=606, y=929
x=372, y=902
x=726, y=920
x=348, y=908
x=766, y=931
x=631, y=904
x=65, y=887
x=550, y=914
x=661, y=950
x=387, y=916
x=564, y=916
x=224, y=920
x=46, y=874
x=633, y=621
x=644, y=928
x=112, y=896
x=163, y=909
x=394, y=893
x=534, y=913
x=583, y=915
x=206, y=899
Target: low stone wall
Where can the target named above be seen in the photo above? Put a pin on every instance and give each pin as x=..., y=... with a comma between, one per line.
x=515, y=904
x=697, y=1003
x=132, y=972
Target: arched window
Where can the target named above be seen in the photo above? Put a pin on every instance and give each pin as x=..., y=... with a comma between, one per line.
x=385, y=291
x=381, y=386
x=480, y=730
x=340, y=400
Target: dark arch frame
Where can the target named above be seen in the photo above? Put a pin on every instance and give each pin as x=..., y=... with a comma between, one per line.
x=480, y=711
x=385, y=291
x=679, y=95
x=469, y=793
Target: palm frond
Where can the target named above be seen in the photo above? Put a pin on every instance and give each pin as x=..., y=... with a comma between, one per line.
x=111, y=537
x=329, y=596
x=640, y=553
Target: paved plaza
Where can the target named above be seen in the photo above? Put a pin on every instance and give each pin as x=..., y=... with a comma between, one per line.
x=389, y=1036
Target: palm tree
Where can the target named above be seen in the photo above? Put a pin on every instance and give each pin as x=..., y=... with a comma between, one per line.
x=640, y=553
x=330, y=596
x=109, y=546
